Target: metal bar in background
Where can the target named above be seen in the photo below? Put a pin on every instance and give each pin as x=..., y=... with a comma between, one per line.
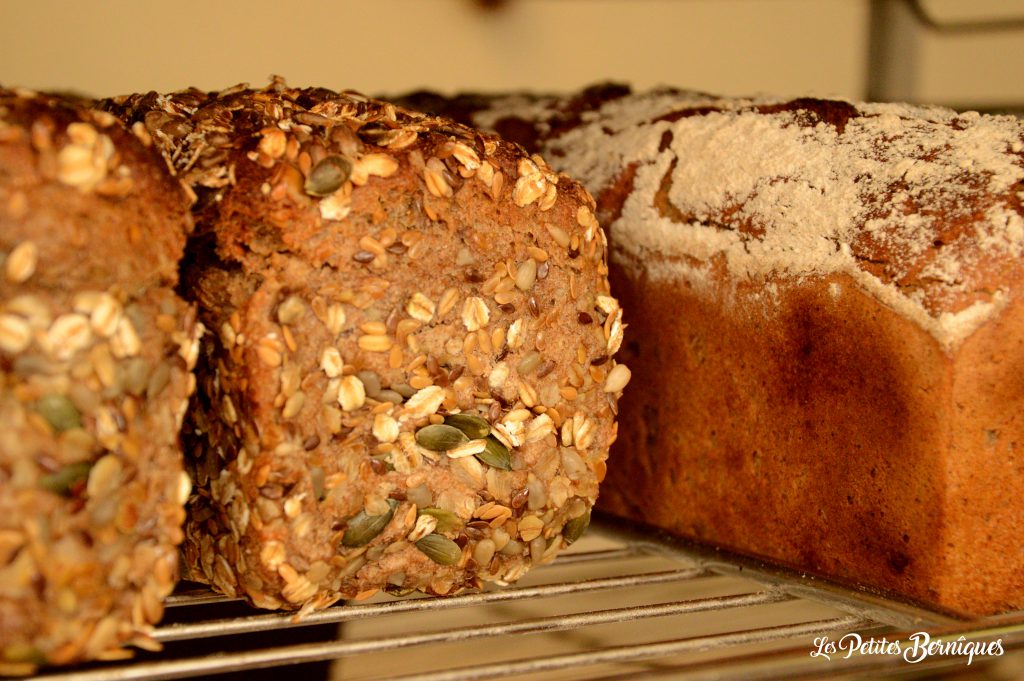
x=924, y=18
x=893, y=50
x=641, y=652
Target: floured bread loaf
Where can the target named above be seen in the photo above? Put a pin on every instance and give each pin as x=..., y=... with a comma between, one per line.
x=411, y=384
x=827, y=322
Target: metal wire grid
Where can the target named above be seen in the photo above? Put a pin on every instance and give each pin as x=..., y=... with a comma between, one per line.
x=772, y=617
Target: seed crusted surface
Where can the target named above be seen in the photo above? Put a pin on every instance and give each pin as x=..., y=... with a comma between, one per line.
x=402, y=393
x=96, y=353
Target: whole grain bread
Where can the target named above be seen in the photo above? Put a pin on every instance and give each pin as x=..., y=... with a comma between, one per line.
x=825, y=302
x=410, y=385
x=95, y=357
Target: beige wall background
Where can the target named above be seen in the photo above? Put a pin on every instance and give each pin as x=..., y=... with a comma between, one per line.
x=784, y=47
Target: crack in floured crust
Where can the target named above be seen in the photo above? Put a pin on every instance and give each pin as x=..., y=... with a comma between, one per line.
x=376, y=271
x=921, y=205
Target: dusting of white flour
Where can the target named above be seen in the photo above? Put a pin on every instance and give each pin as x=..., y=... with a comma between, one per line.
x=873, y=201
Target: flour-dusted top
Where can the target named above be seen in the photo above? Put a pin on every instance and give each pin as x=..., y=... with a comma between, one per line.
x=920, y=205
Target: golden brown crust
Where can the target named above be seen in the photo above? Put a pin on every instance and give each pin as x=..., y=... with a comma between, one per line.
x=852, y=411
x=95, y=359
x=367, y=272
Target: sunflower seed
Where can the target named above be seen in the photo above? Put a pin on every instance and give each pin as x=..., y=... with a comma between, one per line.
x=617, y=378
x=526, y=275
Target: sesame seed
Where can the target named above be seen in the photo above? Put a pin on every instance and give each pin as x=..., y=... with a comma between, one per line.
x=560, y=236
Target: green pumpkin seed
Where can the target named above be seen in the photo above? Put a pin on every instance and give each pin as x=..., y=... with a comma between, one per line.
x=362, y=528
x=440, y=549
x=61, y=481
x=495, y=454
x=59, y=412
x=440, y=438
x=575, y=528
x=446, y=520
x=327, y=175
x=22, y=653
x=472, y=425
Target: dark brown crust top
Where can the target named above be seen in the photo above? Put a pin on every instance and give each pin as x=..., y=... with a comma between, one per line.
x=369, y=271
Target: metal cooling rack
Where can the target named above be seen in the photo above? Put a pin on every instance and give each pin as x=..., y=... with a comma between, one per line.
x=621, y=603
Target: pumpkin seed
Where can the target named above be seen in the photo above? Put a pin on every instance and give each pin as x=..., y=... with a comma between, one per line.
x=472, y=425
x=440, y=549
x=495, y=454
x=327, y=175
x=362, y=527
x=446, y=520
x=62, y=481
x=575, y=528
x=439, y=437
x=59, y=412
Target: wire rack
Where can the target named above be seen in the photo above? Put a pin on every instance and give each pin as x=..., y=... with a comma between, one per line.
x=622, y=602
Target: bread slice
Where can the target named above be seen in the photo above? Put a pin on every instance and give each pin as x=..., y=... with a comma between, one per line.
x=411, y=383
x=96, y=352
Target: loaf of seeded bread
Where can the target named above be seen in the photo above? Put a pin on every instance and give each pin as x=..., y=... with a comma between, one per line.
x=410, y=384
x=95, y=358
x=827, y=318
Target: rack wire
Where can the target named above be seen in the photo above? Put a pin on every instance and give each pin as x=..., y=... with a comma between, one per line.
x=624, y=601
